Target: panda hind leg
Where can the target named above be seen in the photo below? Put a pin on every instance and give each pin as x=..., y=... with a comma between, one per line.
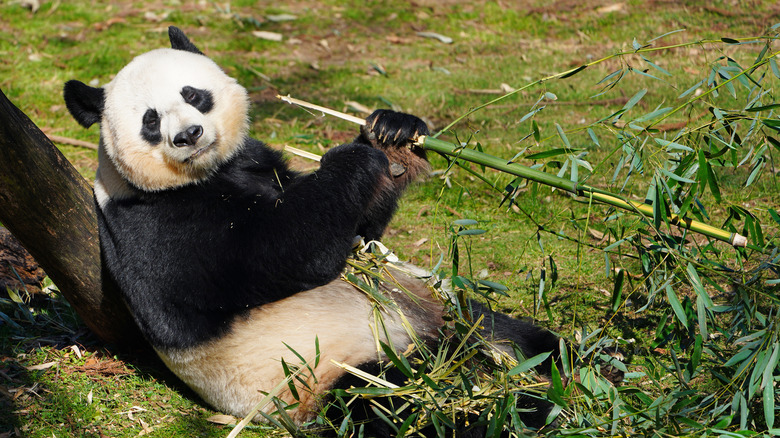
x=533, y=340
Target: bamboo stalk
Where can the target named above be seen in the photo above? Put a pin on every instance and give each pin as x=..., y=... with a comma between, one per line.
x=474, y=156
x=446, y=148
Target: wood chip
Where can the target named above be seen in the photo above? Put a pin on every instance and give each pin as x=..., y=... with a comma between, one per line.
x=265, y=35
x=436, y=36
x=281, y=17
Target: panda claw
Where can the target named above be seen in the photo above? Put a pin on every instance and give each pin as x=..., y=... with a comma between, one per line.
x=397, y=170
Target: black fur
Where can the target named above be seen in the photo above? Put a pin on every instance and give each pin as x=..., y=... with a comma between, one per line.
x=150, y=127
x=179, y=41
x=85, y=103
x=202, y=100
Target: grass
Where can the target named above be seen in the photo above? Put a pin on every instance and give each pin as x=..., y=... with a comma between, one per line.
x=369, y=52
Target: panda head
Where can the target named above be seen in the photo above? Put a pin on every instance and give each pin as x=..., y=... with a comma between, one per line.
x=169, y=118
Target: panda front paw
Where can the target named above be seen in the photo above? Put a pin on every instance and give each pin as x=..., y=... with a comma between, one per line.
x=394, y=133
x=387, y=128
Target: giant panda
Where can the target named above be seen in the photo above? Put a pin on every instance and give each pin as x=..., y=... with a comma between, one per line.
x=228, y=259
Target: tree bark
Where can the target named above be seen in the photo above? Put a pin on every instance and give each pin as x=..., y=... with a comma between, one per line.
x=49, y=208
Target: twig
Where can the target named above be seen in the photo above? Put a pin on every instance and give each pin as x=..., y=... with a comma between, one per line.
x=71, y=141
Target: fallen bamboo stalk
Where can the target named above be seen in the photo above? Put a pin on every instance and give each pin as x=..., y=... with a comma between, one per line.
x=474, y=156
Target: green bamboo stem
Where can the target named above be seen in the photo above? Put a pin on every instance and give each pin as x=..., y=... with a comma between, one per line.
x=481, y=158
x=474, y=156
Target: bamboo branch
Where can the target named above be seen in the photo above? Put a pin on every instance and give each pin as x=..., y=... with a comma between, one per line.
x=471, y=155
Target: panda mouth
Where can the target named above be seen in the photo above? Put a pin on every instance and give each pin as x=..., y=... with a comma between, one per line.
x=194, y=156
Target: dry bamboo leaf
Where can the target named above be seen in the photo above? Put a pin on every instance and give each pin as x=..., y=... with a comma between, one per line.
x=357, y=107
x=43, y=366
x=421, y=242
x=222, y=419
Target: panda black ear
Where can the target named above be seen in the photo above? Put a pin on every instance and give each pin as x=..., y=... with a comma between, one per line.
x=85, y=103
x=179, y=41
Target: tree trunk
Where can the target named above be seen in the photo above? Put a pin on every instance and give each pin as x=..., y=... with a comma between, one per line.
x=49, y=207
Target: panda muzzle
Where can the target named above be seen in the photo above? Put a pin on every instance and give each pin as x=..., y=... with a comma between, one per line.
x=188, y=137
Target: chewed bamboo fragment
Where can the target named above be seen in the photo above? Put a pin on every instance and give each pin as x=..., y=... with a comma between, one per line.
x=322, y=109
x=481, y=158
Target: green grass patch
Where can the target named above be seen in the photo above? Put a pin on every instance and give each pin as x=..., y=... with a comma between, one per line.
x=695, y=317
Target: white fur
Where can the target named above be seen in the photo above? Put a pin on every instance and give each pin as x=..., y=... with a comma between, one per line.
x=232, y=372
x=154, y=80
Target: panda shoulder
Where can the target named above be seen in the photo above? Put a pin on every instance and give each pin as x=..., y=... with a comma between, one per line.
x=256, y=160
x=255, y=154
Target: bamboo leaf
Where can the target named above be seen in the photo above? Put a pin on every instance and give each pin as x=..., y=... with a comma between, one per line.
x=528, y=364
x=493, y=285
x=290, y=383
x=692, y=89
x=701, y=314
x=655, y=66
x=644, y=74
x=552, y=153
x=774, y=142
x=676, y=177
x=755, y=171
x=653, y=115
x=614, y=245
x=635, y=99
x=465, y=222
x=402, y=365
x=666, y=34
x=767, y=378
x=471, y=232
x=610, y=76
x=617, y=291
x=574, y=72
x=772, y=124
x=530, y=114
x=737, y=358
x=537, y=134
x=593, y=137
x=679, y=312
x=769, y=406
x=762, y=108
x=693, y=276
x=371, y=390
x=658, y=205
x=775, y=215
x=713, y=182
x=773, y=66
x=562, y=135
x=670, y=145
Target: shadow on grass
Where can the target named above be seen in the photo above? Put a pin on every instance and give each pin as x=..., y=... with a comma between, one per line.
x=57, y=379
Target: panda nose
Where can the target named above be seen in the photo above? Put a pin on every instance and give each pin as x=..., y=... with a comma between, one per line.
x=188, y=137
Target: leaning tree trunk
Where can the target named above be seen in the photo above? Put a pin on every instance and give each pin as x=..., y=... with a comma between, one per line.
x=49, y=207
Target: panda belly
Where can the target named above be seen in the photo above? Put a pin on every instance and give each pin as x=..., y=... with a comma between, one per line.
x=233, y=373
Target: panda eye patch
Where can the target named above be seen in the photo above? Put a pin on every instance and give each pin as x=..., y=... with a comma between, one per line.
x=151, y=118
x=150, y=131
x=202, y=100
